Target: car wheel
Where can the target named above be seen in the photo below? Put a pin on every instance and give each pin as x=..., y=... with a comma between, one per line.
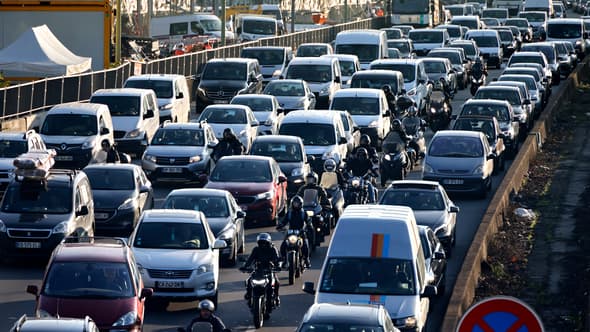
x=232, y=259
x=242, y=244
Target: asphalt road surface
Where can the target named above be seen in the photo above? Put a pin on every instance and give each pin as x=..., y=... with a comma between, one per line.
x=14, y=301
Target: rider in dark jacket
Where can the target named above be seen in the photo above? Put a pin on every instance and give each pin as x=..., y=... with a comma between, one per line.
x=229, y=145
x=296, y=219
x=265, y=256
x=311, y=182
x=206, y=309
x=360, y=166
x=365, y=142
x=391, y=98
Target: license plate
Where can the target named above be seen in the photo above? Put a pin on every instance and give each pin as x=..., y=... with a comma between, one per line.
x=169, y=284
x=28, y=245
x=64, y=158
x=101, y=215
x=220, y=101
x=172, y=170
x=453, y=181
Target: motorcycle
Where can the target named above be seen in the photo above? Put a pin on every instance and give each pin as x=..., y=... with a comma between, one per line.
x=478, y=78
x=320, y=219
x=439, y=116
x=394, y=163
x=329, y=182
x=356, y=189
x=295, y=263
x=262, y=295
x=403, y=104
x=200, y=327
x=413, y=126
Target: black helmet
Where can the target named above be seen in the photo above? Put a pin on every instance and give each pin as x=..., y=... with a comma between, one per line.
x=362, y=153
x=264, y=240
x=386, y=88
x=477, y=60
x=365, y=139
x=330, y=165
x=228, y=131
x=311, y=178
x=206, y=305
x=396, y=124
x=296, y=202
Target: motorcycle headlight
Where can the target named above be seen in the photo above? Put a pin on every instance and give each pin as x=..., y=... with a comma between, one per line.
x=150, y=158
x=129, y=204
x=374, y=124
x=258, y=282
x=127, y=319
x=387, y=157
x=2, y=227
x=297, y=171
x=478, y=170
x=264, y=195
x=134, y=133
x=355, y=182
x=194, y=159
x=292, y=239
x=88, y=144
x=205, y=268
x=427, y=168
x=407, y=322
x=62, y=228
x=433, y=110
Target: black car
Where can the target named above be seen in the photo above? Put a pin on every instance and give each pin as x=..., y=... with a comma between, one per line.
x=121, y=193
x=436, y=259
x=49, y=324
x=222, y=79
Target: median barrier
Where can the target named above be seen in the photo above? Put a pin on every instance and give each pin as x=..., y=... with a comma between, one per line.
x=467, y=279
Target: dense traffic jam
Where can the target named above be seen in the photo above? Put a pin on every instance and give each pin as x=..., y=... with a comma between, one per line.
x=316, y=141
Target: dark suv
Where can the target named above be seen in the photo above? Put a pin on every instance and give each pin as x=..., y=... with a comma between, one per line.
x=222, y=79
x=97, y=277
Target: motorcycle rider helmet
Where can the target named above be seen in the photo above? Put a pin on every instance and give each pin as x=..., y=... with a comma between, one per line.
x=362, y=154
x=412, y=111
x=386, y=88
x=365, y=140
x=264, y=240
x=311, y=178
x=206, y=305
x=296, y=202
x=396, y=124
x=329, y=165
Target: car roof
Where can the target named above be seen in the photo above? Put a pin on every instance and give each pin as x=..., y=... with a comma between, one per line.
x=277, y=139
x=458, y=133
x=121, y=92
x=314, y=116
x=487, y=101
x=565, y=20
x=360, y=31
x=40, y=324
x=249, y=157
x=413, y=184
x=77, y=108
x=380, y=72
x=527, y=53
x=238, y=60
x=426, y=30
x=229, y=106
x=349, y=57
x=498, y=87
x=198, y=191
x=312, y=60
x=364, y=314
x=104, y=250
x=397, y=40
x=155, y=77
x=13, y=135
x=187, y=125
x=168, y=215
x=358, y=92
x=397, y=61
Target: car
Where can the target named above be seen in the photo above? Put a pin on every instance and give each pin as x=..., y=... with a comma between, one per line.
x=273, y=60
x=393, y=33
x=405, y=28
x=550, y=52
x=289, y=153
x=177, y=254
x=349, y=64
x=538, y=22
x=560, y=11
x=499, y=13
x=564, y=58
x=469, y=21
x=40, y=324
x=514, y=97
x=12, y=145
x=462, y=161
x=426, y=39
x=517, y=35
x=507, y=39
x=239, y=118
x=405, y=47
x=267, y=111
x=502, y=111
x=393, y=53
x=461, y=65
x=93, y=277
x=491, y=128
x=535, y=89
x=121, y=192
x=322, y=74
x=489, y=45
x=455, y=32
x=534, y=71
x=291, y=94
x=346, y=317
x=313, y=49
x=491, y=21
x=351, y=131
x=180, y=152
x=469, y=48
x=523, y=25
x=437, y=68
x=457, y=9
x=431, y=205
x=378, y=78
x=223, y=214
x=528, y=58
x=526, y=97
x=257, y=184
x=436, y=259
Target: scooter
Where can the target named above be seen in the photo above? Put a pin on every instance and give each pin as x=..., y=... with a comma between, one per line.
x=293, y=243
x=413, y=125
x=439, y=115
x=320, y=219
x=394, y=162
x=477, y=79
x=356, y=190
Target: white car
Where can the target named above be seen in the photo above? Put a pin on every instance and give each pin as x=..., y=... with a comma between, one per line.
x=239, y=118
x=177, y=254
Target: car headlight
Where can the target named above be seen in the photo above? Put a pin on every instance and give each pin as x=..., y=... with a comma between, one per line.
x=129, y=204
x=324, y=91
x=478, y=170
x=194, y=159
x=331, y=155
x=134, y=133
x=205, y=268
x=264, y=195
x=427, y=168
x=150, y=158
x=62, y=228
x=297, y=171
x=127, y=319
x=43, y=314
x=2, y=227
x=140, y=269
x=374, y=124
x=407, y=322
x=242, y=133
x=88, y=144
x=387, y=157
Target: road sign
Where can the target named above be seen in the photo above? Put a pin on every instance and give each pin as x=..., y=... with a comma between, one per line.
x=500, y=314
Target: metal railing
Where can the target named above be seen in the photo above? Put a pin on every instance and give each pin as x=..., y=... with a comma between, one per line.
x=25, y=99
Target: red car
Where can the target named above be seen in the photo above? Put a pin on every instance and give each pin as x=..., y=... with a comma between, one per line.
x=257, y=184
x=97, y=278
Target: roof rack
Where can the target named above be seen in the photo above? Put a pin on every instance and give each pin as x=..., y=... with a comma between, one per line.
x=34, y=165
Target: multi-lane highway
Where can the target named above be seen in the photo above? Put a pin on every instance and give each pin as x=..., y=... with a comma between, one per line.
x=14, y=301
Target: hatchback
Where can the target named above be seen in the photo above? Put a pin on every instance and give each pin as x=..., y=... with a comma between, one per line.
x=436, y=259
x=239, y=118
x=266, y=108
x=346, y=317
x=491, y=128
x=291, y=94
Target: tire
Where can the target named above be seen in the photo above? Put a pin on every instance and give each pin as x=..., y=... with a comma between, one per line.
x=258, y=312
x=232, y=260
x=292, y=263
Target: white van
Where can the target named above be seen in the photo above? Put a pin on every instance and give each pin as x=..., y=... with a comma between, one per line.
x=489, y=44
x=179, y=26
x=273, y=60
x=367, y=45
x=539, y=5
x=253, y=27
x=321, y=74
x=425, y=40
x=376, y=257
x=569, y=29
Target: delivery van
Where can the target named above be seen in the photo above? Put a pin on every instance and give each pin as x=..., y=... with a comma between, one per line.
x=367, y=45
x=178, y=27
x=376, y=257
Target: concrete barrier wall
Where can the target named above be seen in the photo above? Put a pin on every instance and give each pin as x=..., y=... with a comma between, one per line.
x=466, y=283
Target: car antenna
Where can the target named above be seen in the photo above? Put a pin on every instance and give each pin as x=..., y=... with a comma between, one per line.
x=57, y=309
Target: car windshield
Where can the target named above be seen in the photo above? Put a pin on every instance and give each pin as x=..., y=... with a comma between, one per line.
x=517, y=23
x=485, y=41
x=495, y=13
x=456, y=11
x=365, y=52
x=347, y=68
x=171, y=235
x=110, y=179
x=402, y=46
x=312, y=50
x=329, y=327
x=270, y=57
x=393, y=53
x=510, y=96
x=29, y=197
x=526, y=59
x=564, y=30
x=534, y=17
x=469, y=49
x=256, y=104
x=426, y=36
x=241, y=171
x=499, y=111
x=356, y=105
x=224, y=115
x=454, y=32
x=310, y=133
x=212, y=207
x=529, y=81
x=469, y=23
x=89, y=280
x=280, y=152
x=506, y=36
x=70, y=125
x=393, y=33
x=119, y=105
x=418, y=200
x=12, y=149
x=310, y=73
x=259, y=27
x=374, y=82
x=454, y=57
x=434, y=67
x=185, y=137
x=549, y=51
x=368, y=275
x=163, y=89
x=408, y=70
x=284, y=89
x=456, y=147
x=225, y=71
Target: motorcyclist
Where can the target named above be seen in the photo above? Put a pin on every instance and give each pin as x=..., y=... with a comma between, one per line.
x=391, y=98
x=397, y=128
x=266, y=257
x=296, y=219
x=446, y=88
x=311, y=182
x=478, y=69
x=206, y=309
x=229, y=145
x=331, y=166
x=402, y=104
x=365, y=142
x=360, y=166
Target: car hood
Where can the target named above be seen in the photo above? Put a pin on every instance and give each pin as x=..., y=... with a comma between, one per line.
x=289, y=102
x=218, y=128
x=268, y=70
x=435, y=77
x=68, y=140
x=318, y=149
x=316, y=87
x=365, y=120
x=174, y=150
x=185, y=259
x=32, y=220
x=103, y=311
x=110, y=199
x=398, y=306
x=454, y=164
x=261, y=117
x=241, y=188
x=216, y=85
x=126, y=123
x=432, y=218
x=218, y=224
x=6, y=164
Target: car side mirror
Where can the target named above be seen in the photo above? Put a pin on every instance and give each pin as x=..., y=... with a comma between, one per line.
x=241, y=214
x=342, y=140
x=33, y=289
x=491, y=156
x=144, y=189
x=308, y=287
x=255, y=123
x=439, y=255
x=203, y=178
x=148, y=114
x=104, y=131
x=145, y=293
x=387, y=113
x=219, y=244
x=429, y=291
x=180, y=95
x=83, y=211
x=454, y=209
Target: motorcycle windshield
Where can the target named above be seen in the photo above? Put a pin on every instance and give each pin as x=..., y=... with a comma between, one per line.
x=329, y=180
x=310, y=198
x=391, y=147
x=201, y=327
x=411, y=125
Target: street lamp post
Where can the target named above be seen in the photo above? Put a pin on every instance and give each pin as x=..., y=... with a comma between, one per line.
x=118, y=34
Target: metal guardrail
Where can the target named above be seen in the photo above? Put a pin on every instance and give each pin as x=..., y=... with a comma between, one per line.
x=25, y=99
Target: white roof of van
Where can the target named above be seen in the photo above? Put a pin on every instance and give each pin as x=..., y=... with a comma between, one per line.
x=312, y=60
x=155, y=77
x=309, y=117
x=358, y=92
x=76, y=107
x=130, y=92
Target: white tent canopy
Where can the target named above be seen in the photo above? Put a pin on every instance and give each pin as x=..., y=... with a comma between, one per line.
x=38, y=53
